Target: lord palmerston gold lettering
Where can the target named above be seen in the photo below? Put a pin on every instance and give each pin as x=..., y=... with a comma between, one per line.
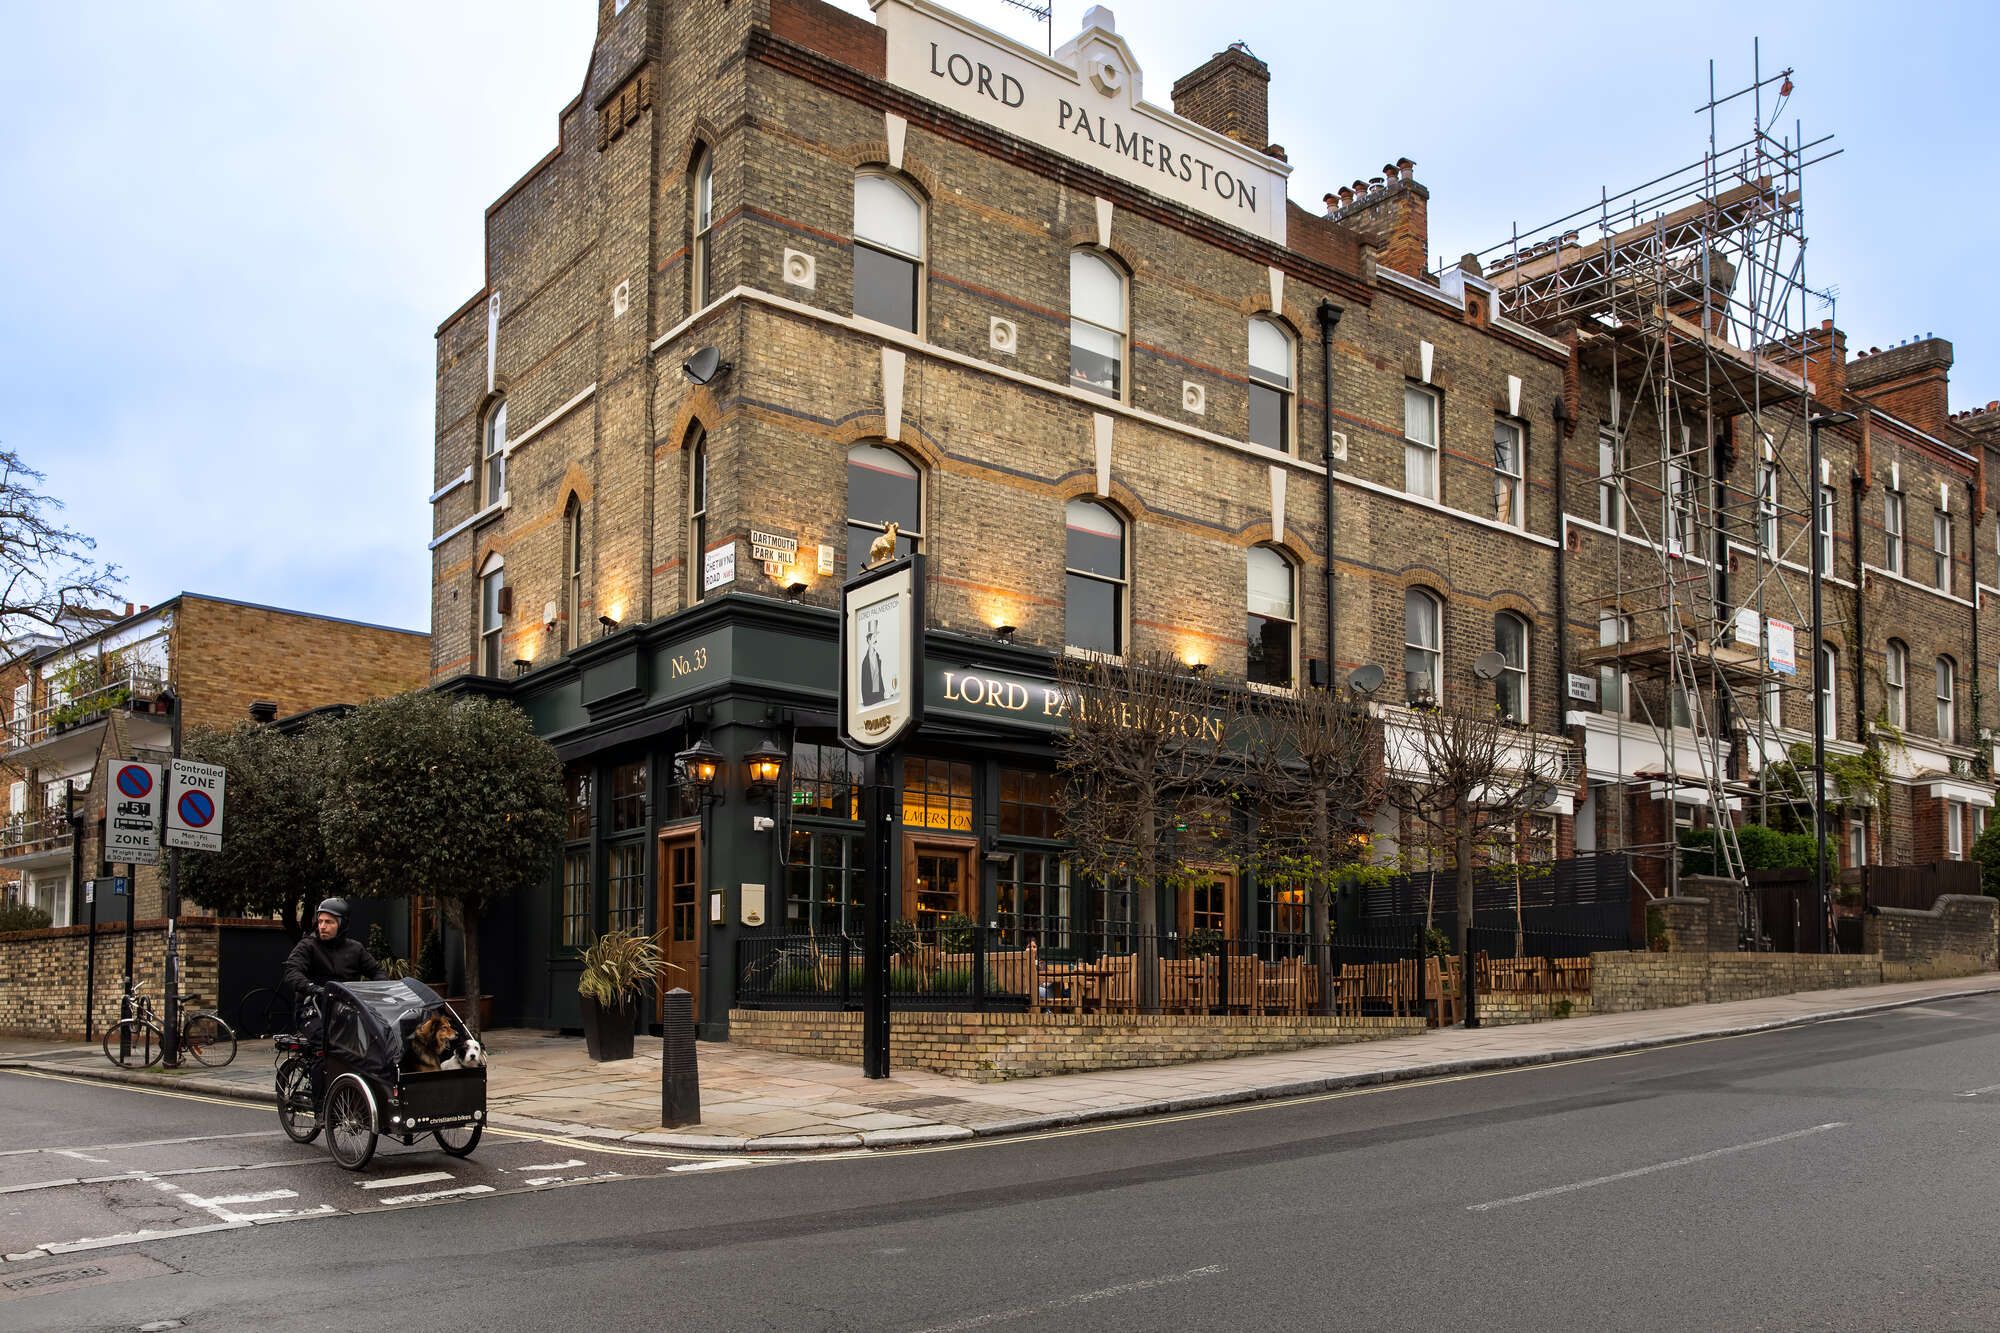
x=1010, y=696
x=985, y=692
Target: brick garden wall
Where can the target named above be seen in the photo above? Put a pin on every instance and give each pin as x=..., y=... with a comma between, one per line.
x=991, y=1047
x=42, y=973
x=1506, y=1008
x=1956, y=938
x=1625, y=982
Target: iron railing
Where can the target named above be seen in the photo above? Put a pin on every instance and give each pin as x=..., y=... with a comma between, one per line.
x=29, y=832
x=112, y=690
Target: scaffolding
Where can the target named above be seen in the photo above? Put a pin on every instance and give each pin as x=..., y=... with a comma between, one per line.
x=1688, y=300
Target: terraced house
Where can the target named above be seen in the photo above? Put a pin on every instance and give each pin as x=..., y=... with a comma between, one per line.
x=790, y=277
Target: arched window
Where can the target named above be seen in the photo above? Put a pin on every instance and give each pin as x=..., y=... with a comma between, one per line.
x=493, y=455
x=1947, y=709
x=1827, y=684
x=697, y=512
x=888, y=252
x=883, y=487
x=1896, y=683
x=1273, y=633
x=492, y=613
x=1094, y=593
x=1096, y=324
x=1423, y=645
x=702, y=195
x=1271, y=359
x=572, y=588
x=1510, y=687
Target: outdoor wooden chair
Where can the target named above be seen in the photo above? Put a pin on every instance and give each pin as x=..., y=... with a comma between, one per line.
x=1571, y=974
x=1118, y=984
x=1444, y=990
x=1186, y=984
x=1012, y=971
x=1245, y=991
x=1283, y=988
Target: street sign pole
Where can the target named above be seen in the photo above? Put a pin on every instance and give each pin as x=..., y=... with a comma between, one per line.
x=75, y=822
x=131, y=936
x=878, y=769
x=170, y=1040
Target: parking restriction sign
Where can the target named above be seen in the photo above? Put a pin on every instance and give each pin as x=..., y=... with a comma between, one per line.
x=194, y=805
x=132, y=813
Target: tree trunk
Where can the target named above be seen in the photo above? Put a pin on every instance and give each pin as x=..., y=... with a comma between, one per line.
x=1464, y=835
x=1146, y=914
x=468, y=935
x=1319, y=903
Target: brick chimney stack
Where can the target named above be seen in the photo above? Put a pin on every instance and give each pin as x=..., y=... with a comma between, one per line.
x=1912, y=381
x=1230, y=94
x=1391, y=213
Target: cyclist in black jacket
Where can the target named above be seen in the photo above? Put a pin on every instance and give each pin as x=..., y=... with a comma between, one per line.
x=324, y=955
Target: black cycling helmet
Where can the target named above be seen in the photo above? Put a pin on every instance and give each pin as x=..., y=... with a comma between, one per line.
x=333, y=907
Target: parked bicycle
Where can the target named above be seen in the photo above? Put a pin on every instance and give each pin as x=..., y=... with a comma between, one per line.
x=139, y=1039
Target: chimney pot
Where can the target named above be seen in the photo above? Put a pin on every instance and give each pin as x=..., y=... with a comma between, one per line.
x=1403, y=164
x=128, y=608
x=264, y=711
x=1276, y=150
x=1388, y=171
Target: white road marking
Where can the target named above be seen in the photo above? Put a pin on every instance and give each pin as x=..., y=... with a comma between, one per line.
x=1657, y=1166
x=81, y=1156
x=133, y=1237
x=1081, y=1298
x=231, y=1200
x=552, y=1166
x=571, y=1180
x=439, y=1194
x=1981, y=1092
x=420, y=1178
x=707, y=1166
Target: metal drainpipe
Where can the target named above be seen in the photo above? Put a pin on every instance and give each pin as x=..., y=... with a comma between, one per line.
x=1972, y=547
x=1860, y=645
x=1563, y=423
x=1329, y=320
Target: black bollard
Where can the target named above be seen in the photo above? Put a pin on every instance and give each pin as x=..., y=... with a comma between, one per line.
x=680, y=1083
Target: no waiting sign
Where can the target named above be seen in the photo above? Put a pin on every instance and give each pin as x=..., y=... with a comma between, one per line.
x=132, y=813
x=194, y=805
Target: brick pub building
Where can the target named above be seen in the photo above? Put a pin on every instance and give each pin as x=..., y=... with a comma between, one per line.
x=790, y=275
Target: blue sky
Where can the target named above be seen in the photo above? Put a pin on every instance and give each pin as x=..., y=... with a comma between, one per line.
x=233, y=228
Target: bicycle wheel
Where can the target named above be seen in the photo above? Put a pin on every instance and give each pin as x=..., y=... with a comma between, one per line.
x=459, y=1140
x=263, y=1013
x=208, y=1039
x=297, y=1115
x=141, y=1047
x=350, y=1122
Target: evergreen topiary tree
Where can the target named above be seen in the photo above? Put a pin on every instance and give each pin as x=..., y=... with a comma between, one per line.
x=273, y=860
x=450, y=796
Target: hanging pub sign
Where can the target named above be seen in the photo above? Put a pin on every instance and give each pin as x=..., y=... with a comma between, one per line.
x=881, y=652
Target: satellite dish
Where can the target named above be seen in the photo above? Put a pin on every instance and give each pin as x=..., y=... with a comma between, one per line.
x=704, y=365
x=1365, y=679
x=1488, y=665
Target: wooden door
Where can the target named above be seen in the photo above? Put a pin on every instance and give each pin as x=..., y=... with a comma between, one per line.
x=938, y=880
x=1210, y=903
x=680, y=917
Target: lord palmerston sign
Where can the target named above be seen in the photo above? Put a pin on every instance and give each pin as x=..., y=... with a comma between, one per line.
x=1084, y=102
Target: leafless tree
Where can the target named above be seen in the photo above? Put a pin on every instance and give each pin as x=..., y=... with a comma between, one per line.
x=47, y=571
x=1316, y=774
x=1466, y=777
x=1141, y=767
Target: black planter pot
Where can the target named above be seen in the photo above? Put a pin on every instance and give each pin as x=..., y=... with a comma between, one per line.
x=607, y=1033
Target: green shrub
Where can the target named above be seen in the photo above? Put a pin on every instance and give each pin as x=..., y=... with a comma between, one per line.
x=1202, y=943
x=903, y=938
x=1986, y=851
x=20, y=916
x=955, y=932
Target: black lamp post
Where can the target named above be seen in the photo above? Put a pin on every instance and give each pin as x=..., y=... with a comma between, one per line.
x=1821, y=686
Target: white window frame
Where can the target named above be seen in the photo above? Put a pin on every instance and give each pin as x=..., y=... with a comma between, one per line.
x=1121, y=585
x=1520, y=674
x=1954, y=830
x=697, y=525
x=1941, y=550
x=1610, y=482
x=1613, y=627
x=1947, y=700
x=1421, y=458
x=1857, y=842
x=917, y=261
x=1892, y=531
x=1828, y=689
x=492, y=623
x=701, y=250
x=1510, y=504
x=1434, y=650
x=1767, y=509
x=1120, y=335
x=1827, y=502
x=1896, y=683
x=1289, y=618
x=1266, y=379
x=572, y=634
x=493, y=454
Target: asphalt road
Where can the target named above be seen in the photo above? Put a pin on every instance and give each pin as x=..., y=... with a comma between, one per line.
x=1837, y=1176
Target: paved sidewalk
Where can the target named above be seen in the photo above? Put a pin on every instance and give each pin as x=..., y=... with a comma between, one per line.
x=755, y=1101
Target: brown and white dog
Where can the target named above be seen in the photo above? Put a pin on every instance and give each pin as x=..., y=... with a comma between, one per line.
x=435, y=1038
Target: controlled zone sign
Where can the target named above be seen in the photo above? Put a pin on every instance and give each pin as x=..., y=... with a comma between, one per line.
x=194, y=806
x=132, y=813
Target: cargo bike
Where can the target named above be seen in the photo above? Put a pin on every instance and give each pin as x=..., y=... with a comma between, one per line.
x=344, y=1071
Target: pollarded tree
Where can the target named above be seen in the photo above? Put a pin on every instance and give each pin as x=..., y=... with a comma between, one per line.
x=449, y=796
x=274, y=859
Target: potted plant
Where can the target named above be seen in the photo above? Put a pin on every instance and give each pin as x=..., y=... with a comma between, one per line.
x=617, y=969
